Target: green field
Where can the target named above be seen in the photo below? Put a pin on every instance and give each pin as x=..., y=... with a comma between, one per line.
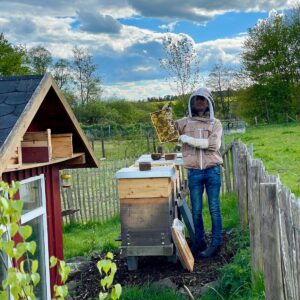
x=278, y=146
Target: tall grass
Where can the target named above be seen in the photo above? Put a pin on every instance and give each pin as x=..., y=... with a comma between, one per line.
x=279, y=148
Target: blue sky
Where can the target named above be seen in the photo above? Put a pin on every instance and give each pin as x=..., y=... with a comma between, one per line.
x=125, y=36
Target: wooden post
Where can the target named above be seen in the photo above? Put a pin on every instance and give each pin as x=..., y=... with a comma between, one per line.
x=255, y=216
x=255, y=119
x=295, y=208
x=227, y=172
x=235, y=164
x=70, y=204
x=102, y=147
x=242, y=187
x=271, y=242
x=287, y=244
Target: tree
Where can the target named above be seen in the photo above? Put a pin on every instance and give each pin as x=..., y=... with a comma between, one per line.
x=85, y=75
x=62, y=73
x=39, y=59
x=221, y=80
x=12, y=58
x=182, y=64
x=271, y=58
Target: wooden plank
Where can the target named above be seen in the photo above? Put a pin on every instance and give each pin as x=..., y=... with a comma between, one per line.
x=143, y=201
x=109, y=190
x=257, y=254
x=26, y=166
x=104, y=191
x=295, y=207
x=88, y=199
x=271, y=242
x=242, y=188
x=36, y=136
x=286, y=233
x=93, y=199
x=140, y=188
x=31, y=144
x=78, y=160
x=227, y=172
x=62, y=145
x=184, y=249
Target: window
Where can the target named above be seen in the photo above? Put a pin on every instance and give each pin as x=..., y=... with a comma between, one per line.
x=32, y=192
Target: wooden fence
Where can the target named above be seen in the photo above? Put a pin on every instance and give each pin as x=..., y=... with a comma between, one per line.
x=93, y=194
x=272, y=213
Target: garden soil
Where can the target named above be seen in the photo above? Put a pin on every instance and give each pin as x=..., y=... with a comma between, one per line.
x=153, y=269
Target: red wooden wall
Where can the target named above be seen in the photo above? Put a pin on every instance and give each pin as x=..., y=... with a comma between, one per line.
x=53, y=206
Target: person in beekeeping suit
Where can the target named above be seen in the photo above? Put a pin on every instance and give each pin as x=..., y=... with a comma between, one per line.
x=201, y=135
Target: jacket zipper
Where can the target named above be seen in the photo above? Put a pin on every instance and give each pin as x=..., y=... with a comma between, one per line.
x=200, y=156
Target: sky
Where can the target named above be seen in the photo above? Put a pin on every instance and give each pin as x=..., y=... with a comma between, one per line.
x=125, y=36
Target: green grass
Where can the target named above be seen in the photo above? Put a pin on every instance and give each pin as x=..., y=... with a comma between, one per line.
x=83, y=239
x=150, y=293
x=230, y=215
x=278, y=146
x=236, y=277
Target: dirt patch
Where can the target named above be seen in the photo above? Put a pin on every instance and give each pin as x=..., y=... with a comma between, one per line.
x=152, y=269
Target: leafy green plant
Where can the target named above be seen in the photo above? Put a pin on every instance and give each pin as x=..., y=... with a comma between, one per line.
x=108, y=268
x=60, y=290
x=22, y=277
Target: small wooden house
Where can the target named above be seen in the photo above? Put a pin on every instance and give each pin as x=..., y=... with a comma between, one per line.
x=39, y=136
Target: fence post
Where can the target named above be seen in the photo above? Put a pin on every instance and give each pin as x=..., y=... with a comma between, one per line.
x=295, y=208
x=242, y=186
x=102, y=147
x=234, y=165
x=287, y=243
x=271, y=241
x=255, y=215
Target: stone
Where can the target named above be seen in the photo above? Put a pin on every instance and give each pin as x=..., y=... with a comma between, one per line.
x=165, y=283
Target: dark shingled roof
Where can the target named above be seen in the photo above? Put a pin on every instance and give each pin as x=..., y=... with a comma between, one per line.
x=15, y=92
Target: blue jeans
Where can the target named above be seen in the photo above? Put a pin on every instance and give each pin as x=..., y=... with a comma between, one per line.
x=210, y=179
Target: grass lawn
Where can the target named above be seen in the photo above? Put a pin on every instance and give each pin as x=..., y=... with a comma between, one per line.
x=83, y=239
x=278, y=146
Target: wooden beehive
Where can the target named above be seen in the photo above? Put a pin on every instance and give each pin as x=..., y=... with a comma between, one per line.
x=147, y=210
x=62, y=145
x=36, y=147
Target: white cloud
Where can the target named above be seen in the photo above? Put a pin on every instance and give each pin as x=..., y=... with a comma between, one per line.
x=169, y=27
x=225, y=50
x=138, y=90
x=143, y=69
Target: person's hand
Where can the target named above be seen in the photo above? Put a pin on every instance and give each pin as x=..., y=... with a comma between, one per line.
x=184, y=138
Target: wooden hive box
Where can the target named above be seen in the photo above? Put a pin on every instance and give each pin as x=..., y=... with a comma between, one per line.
x=36, y=147
x=62, y=145
x=147, y=209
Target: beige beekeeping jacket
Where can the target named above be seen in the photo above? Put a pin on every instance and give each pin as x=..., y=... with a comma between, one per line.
x=201, y=127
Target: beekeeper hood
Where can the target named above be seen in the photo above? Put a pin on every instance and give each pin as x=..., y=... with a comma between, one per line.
x=204, y=92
